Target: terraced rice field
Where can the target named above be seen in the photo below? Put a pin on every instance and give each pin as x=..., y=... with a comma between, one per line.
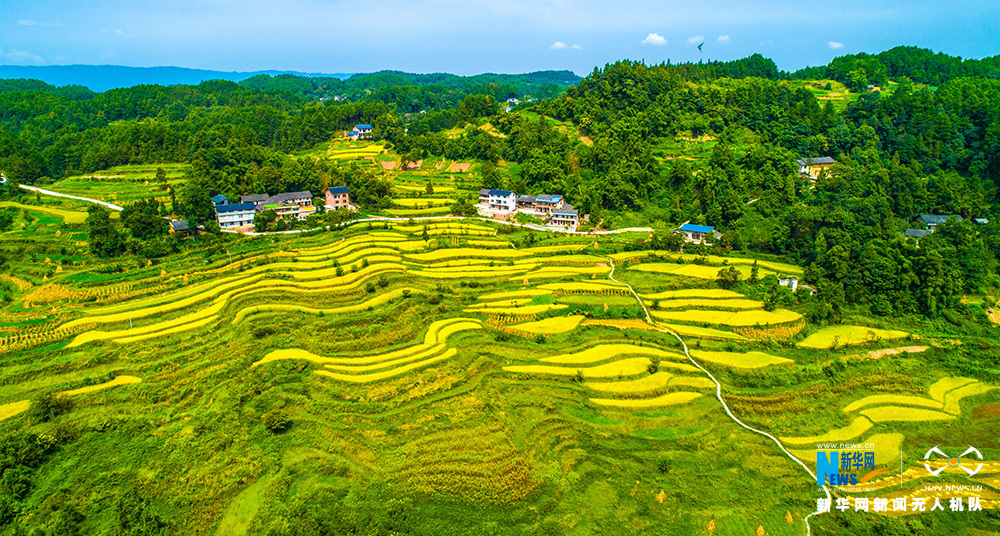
x=624, y=367
x=420, y=371
x=430, y=211
x=948, y=383
x=658, y=380
x=374, y=367
x=714, y=261
x=838, y=336
x=695, y=270
x=904, y=400
x=514, y=294
x=71, y=217
x=716, y=293
x=376, y=376
x=729, y=318
x=441, y=254
x=120, y=380
x=550, y=326
x=14, y=408
x=953, y=399
x=739, y=360
x=695, y=331
x=419, y=188
x=584, y=299
x=607, y=351
x=521, y=310
x=575, y=286
x=422, y=201
x=124, y=184
x=857, y=427
x=904, y=414
x=708, y=303
x=669, y=399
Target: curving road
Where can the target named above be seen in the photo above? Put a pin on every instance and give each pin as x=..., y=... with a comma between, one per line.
x=67, y=196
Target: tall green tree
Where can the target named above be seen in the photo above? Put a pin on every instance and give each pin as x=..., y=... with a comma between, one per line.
x=104, y=240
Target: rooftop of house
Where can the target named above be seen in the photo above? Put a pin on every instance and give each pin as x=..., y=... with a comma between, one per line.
x=254, y=198
x=288, y=197
x=501, y=193
x=545, y=198
x=816, y=160
x=219, y=199
x=935, y=219
x=916, y=233
x=692, y=228
x=339, y=190
x=235, y=207
x=363, y=127
x=484, y=191
x=566, y=210
x=982, y=221
x=525, y=199
x=179, y=225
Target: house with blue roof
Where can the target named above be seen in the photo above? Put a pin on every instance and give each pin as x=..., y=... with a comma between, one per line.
x=697, y=233
x=548, y=203
x=235, y=215
x=220, y=200
x=360, y=131
x=502, y=200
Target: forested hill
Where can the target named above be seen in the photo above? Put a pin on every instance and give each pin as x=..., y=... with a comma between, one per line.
x=540, y=84
x=81, y=81
x=104, y=77
x=921, y=65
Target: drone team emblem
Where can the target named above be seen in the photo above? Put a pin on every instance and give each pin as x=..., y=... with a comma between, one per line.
x=953, y=461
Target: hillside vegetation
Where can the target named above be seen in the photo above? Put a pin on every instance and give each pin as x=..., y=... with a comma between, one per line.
x=432, y=376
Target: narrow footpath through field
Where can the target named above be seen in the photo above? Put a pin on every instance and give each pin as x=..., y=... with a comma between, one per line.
x=718, y=390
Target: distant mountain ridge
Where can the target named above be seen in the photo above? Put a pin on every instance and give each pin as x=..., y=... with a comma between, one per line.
x=101, y=78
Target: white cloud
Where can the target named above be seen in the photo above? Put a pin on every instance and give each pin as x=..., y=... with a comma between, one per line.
x=558, y=45
x=696, y=40
x=655, y=39
x=120, y=33
x=835, y=45
x=20, y=56
x=723, y=39
x=576, y=47
x=24, y=22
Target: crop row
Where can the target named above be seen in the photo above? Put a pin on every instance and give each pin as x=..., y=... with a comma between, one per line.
x=26, y=340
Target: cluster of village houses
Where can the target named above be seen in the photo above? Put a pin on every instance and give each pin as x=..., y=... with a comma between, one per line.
x=552, y=209
x=297, y=205
x=493, y=203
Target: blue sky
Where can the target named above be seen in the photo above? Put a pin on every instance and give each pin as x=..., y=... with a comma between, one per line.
x=474, y=36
